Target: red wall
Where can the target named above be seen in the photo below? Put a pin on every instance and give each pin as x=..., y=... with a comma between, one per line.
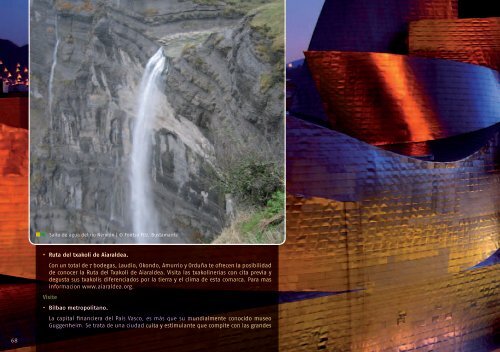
x=14, y=111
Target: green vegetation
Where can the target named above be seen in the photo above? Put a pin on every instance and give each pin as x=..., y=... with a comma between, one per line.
x=266, y=81
x=265, y=225
x=257, y=185
x=276, y=203
x=253, y=180
x=267, y=24
x=273, y=209
x=268, y=20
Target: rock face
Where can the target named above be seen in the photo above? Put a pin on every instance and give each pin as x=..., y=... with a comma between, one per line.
x=221, y=94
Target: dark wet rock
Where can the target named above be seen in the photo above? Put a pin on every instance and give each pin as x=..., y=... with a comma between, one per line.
x=213, y=103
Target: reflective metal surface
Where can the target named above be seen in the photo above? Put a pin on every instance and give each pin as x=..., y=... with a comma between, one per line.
x=450, y=313
x=378, y=26
x=393, y=184
x=406, y=240
x=386, y=98
x=304, y=99
x=476, y=41
x=393, y=204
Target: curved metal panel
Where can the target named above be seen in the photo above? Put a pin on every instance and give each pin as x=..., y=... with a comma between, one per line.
x=475, y=40
x=378, y=26
x=493, y=259
x=387, y=99
x=447, y=149
x=304, y=99
x=406, y=230
x=328, y=164
x=394, y=205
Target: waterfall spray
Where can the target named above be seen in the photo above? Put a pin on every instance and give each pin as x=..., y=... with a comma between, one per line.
x=53, y=67
x=144, y=215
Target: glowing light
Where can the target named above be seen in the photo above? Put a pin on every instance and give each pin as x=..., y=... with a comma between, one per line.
x=396, y=78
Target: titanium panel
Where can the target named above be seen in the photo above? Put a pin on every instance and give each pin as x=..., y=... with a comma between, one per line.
x=377, y=26
x=387, y=99
x=410, y=244
x=474, y=40
x=453, y=313
x=359, y=206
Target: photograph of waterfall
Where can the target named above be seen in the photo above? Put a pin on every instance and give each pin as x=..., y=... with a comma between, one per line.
x=156, y=122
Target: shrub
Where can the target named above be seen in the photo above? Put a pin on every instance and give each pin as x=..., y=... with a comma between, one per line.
x=253, y=181
x=276, y=204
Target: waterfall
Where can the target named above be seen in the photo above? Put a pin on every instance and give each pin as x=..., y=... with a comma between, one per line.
x=53, y=67
x=144, y=216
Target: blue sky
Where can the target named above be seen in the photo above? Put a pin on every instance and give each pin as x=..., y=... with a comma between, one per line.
x=14, y=21
x=301, y=17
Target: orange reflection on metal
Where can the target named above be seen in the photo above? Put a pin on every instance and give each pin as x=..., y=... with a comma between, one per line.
x=17, y=255
x=395, y=76
x=387, y=99
x=471, y=40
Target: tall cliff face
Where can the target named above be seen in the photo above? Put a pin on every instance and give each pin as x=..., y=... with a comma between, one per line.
x=222, y=93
